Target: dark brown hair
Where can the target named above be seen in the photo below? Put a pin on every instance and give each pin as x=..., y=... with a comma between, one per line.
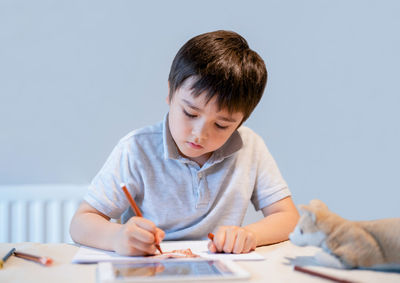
x=223, y=65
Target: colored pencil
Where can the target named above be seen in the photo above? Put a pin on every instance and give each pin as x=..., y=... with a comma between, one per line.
x=39, y=259
x=2, y=261
x=321, y=275
x=135, y=208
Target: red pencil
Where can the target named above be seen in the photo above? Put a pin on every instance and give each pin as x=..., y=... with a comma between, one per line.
x=135, y=208
x=319, y=274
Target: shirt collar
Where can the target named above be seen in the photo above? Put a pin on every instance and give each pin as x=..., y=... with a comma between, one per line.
x=232, y=145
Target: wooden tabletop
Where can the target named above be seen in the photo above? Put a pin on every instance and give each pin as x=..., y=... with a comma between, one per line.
x=277, y=267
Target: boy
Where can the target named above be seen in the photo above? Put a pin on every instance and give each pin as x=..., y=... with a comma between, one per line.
x=196, y=171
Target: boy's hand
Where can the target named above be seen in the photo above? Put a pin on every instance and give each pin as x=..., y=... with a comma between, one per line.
x=233, y=239
x=138, y=236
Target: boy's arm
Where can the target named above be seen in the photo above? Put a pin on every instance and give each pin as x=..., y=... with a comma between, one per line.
x=279, y=221
x=92, y=228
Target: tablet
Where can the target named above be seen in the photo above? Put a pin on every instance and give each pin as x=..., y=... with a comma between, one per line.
x=170, y=270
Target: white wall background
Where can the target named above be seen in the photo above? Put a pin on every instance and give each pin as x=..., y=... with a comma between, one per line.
x=76, y=76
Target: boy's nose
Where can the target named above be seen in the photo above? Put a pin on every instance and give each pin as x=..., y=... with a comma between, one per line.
x=200, y=133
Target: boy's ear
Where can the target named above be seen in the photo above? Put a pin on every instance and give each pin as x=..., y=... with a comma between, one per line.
x=167, y=98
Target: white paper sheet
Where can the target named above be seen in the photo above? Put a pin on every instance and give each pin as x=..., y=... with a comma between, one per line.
x=92, y=255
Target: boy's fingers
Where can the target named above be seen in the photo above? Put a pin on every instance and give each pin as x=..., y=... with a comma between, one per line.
x=149, y=226
x=137, y=228
x=230, y=238
x=141, y=235
x=219, y=239
x=249, y=244
x=145, y=224
x=142, y=247
x=160, y=234
x=239, y=242
x=211, y=247
x=143, y=241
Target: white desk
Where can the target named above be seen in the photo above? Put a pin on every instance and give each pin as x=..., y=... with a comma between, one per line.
x=276, y=268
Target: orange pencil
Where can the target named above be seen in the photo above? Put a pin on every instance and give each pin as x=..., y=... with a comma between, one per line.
x=211, y=236
x=135, y=208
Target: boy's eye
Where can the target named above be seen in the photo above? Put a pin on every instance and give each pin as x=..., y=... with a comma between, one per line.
x=188, y=114
x=194, y=116
x=221, y=127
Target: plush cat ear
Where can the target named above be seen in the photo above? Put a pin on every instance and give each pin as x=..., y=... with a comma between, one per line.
x=307, y=211
x=318, y=204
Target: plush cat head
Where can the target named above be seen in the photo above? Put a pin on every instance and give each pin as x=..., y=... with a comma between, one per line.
x=371, y=244
x=307, y=233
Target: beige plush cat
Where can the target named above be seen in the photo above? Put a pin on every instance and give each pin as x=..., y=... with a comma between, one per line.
x=353, y=244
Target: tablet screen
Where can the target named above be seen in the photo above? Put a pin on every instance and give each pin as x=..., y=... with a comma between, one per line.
x=203, y=268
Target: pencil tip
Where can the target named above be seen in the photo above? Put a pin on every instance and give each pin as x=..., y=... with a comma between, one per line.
x=46, y=261
x=122, y=185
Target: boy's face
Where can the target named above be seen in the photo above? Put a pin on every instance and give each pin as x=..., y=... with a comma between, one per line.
x=197, y=128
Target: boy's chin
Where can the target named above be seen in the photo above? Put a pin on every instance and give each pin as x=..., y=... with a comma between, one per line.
x=190, y=153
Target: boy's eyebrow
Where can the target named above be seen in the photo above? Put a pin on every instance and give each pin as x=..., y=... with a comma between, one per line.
x=191, y=105
x=227, y=119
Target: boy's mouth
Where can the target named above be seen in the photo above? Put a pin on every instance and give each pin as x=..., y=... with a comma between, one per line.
x=195, y=145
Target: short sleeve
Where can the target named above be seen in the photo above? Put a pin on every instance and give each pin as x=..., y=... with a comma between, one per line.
x=104, y=192
x=270, y=185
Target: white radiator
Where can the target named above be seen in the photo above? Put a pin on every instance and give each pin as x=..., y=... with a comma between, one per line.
x=38, y=213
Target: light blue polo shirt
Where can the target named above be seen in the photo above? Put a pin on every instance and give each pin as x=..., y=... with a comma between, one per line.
x=185, y=200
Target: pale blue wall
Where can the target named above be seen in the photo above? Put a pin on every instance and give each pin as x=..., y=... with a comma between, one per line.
x=75, y=76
